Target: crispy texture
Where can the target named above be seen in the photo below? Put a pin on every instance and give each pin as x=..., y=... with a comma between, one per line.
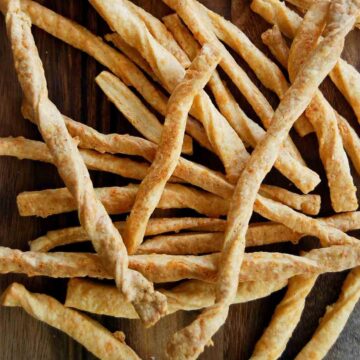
x=334, y=319
x=119, y=200
x=170, y=72
x=134, y=110
x=322, y=116
x=169, y=150
x=345, y=76
x=190, y=342
x=89, y=333
x=102, y=299
x=249, y=131
x=285, y=319
x=155, y=226
x=200, y=25
x=157, y=268
x=92, y=214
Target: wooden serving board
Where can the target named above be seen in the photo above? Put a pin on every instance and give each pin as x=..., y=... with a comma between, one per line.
x=70, y=76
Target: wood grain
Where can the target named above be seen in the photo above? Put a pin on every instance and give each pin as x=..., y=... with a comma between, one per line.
x=70, y=76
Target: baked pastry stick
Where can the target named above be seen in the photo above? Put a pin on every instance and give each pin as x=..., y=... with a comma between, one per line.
x=89, y=333
x=225, y=142
x=345, y=77
x=249, y=131
x=169, y=149
x=93, y=217
x=190, y=342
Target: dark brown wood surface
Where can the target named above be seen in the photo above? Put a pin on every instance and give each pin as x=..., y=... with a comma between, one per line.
x=70, y=76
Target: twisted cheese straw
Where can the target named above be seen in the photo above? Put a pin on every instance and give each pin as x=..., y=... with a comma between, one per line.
x=190, y=342
x=93, y=216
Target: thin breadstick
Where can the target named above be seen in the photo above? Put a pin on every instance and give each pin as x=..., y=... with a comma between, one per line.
x=267, y=71
x=285, y=319
x=345, y=77
x=89, y=333
x=190, y=341
x=350, y=139
x=224, y=140
x=322, y=116
x=134, y=110
x=161, y=34
x=131, y=53
x=155, y=226
x=201, y=27
x=248, y=130
x=157, y=268
x=92, y=214
x=118, y=200
x=82, y=39
x=102, y=299
x=334, y=320
x=169, y=150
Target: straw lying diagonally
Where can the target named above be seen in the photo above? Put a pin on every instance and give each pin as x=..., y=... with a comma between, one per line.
x=98, y=340
x=93, y=216
x=169, y=150
x=190, y=342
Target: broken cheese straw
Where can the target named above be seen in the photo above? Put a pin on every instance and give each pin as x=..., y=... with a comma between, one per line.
x=266, y=70
x=36, y=150
x=334, y=320
x=169, y=149
x=191, y=295
x=322, y=116
x=93, y=217
x=190, y=342
x=201, y=27
x=249, y=131
x=89, y=333
x=82, y=39
x=155, y=226
x=351, y=141
x=345, y=77
x=224, y=140
x=285, y=319
x=262, y=266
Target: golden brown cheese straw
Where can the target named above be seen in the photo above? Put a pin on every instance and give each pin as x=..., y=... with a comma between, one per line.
x=190, y=341
x=170, y=72
x=89, y=333
x=345, y=76
x=248, y=130
x=157, y=268
x=201, y=27
x=334, y=319
x=155, y=226
x=322, y=116
x=133, y=109
x=285, y=319
x=102, y=299
x=92, y=214
x=169, y=149
x=350, y=139
x=118, y=200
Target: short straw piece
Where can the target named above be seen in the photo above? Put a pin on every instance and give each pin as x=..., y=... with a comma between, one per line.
x=345, y=77
x=249, y=131
x=285, y=319
x=169, y=149
x=334, y=320
x=102, y=299
x=89, y=333
x=93, y=217
x=190, y=341
x=322, y=116
x=157, y=268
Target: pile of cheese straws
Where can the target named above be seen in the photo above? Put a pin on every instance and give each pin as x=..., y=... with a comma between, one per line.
x=180, y=54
